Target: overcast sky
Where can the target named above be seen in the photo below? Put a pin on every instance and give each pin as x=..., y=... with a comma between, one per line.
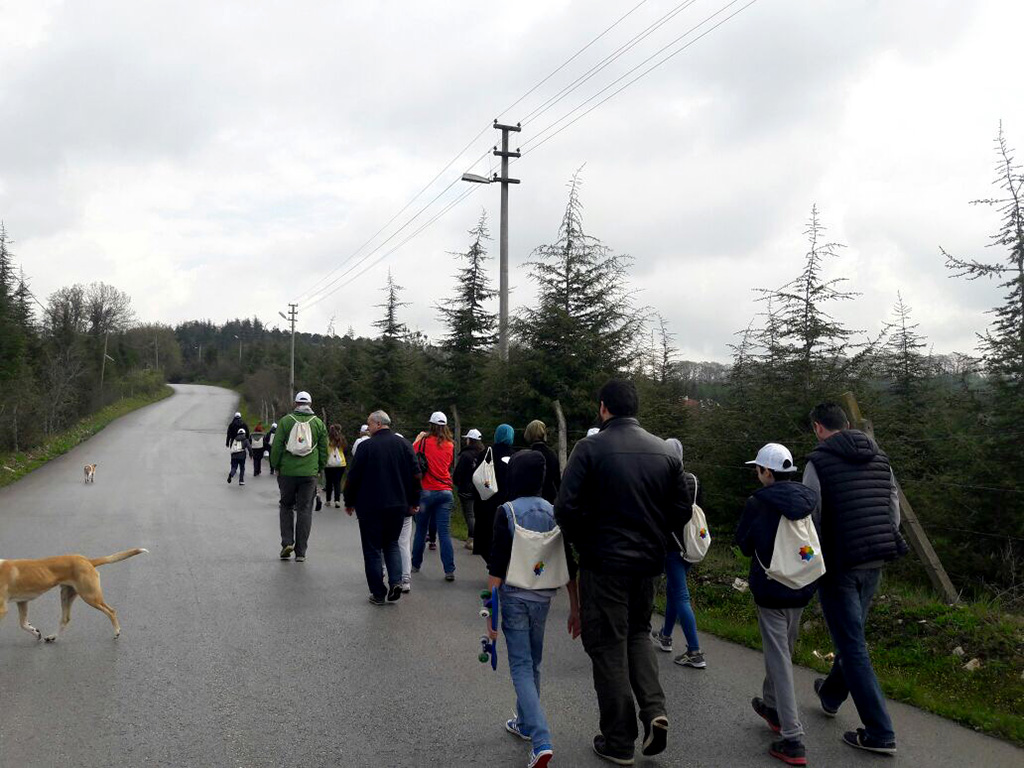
x=217, y=160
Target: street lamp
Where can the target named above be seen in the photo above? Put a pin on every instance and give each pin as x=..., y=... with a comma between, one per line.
x=239, y=349
x=504, y=153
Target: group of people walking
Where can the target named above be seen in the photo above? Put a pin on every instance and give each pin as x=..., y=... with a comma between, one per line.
x=611, y=524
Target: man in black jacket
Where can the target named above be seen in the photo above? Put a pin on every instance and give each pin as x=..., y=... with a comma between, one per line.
x=383, y=488
x=236, y=424
x=623, y=497
x=860, y=518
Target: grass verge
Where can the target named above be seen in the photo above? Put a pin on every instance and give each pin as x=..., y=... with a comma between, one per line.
x=14, y=466
x=912, y=638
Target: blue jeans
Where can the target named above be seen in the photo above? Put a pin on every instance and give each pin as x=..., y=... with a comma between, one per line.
x=845, y=599
x=677, y=603
x=522, y=622
x=437, y=505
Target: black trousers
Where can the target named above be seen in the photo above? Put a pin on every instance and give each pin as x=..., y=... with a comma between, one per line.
x=296, y=510
x=615, y=613
x=332, y=482
x=257, y=461
x=379, y=530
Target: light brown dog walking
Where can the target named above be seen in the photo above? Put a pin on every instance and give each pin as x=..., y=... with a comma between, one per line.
x=25, y=580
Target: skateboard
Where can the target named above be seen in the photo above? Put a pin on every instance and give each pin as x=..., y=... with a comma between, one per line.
x=489, y=612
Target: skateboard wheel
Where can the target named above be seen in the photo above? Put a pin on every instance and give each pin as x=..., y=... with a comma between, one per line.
x=484, y=594
x=485, y=613
x=483, y=658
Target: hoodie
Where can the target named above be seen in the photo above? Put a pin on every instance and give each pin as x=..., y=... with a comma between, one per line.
x=860, y=511
x=755, y=537
x=236, y=424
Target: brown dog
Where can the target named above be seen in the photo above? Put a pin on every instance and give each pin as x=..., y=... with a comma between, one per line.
x=90, y=473
x=25, y=580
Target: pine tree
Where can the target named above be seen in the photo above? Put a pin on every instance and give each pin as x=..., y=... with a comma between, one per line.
x=585, y=327
x=1003, y=343
x=471, y=328
x=390, y=372
x=902, y=361
x=13, y=322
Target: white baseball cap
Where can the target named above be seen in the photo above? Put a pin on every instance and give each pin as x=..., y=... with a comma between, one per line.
x=438, y=418
x=593, y=431
x=241, y=431
x=473, y=434
x=776, y=457
x=274, y=425
x=238, y=415
x=303, y=397
x=364, y=429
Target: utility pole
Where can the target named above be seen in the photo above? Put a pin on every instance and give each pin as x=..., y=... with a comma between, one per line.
x=156, y=347
x=103, y=363
x=239, y=351
x=293, y=313
x=504, y=180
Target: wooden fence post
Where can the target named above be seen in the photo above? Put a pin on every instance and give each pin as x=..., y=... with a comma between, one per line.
x=457, y=425
x=911, y=524
x=563, y=437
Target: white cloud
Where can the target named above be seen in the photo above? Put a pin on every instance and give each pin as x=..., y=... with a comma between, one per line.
x=216, y=160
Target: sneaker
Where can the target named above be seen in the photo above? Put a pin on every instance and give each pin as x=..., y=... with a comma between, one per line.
x=433, y=546
x=229, y=478
x=300, y=558
x=861, y=740
x=414, y=569
x=469, y=543
x=449, y=577
x=769, y=715
x=789, y=751
x=406, y=587
x=664, y=642
x=374, y=600
x=655, y=736
x=512, y=726
x=241, y=482
x=693, y=659
x=829, y=711
x=286, y=552
x=395, y=593
x=337, y=505
x=539, y=758
x=602, y=751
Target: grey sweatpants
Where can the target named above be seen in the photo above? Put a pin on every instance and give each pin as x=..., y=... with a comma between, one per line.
x=779, y=630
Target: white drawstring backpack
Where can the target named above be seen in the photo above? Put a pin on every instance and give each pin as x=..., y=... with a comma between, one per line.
x=796, y=557
x=484, y=479
x=538, y=559
x=696, y=536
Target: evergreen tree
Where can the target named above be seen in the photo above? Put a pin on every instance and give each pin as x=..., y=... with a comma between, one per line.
x=471, y=328
x=12, y=321
x=903, y=362
x=585, y=327
x=1003, y=343
x=389, y=373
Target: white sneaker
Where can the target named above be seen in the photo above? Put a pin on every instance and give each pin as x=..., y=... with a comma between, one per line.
x=406, y=587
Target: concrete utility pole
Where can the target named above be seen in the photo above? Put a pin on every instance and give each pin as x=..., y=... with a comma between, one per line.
x=504, y=180
x=293, y=313
x=239, y=338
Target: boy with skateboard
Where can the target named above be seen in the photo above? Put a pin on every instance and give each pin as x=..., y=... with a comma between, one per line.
x=778, y=532
x=515, y=562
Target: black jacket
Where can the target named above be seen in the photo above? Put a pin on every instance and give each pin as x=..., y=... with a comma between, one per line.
x=486, y=509
x=856, y=497
x=233, y=428
x=383, y=475
x=465, y=466
x=623, y=494
x=552, y=472
x=755, y=537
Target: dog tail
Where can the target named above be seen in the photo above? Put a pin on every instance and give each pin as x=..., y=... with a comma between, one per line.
x=118, y=557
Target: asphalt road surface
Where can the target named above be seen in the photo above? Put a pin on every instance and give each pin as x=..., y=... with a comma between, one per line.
x=230, y=657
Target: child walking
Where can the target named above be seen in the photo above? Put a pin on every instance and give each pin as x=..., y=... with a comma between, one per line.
x=239, y=448
x=778, y=606
x=336, y=464
x=524, y=612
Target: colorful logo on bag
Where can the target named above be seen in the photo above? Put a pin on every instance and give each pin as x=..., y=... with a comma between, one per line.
x=538, y=568
x=703, y=533
x=807, y=553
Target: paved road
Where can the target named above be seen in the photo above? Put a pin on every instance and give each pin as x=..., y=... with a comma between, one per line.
x=230, y=657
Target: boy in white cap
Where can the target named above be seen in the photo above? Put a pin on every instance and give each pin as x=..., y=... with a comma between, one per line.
x=779, y=604
x=364, y=435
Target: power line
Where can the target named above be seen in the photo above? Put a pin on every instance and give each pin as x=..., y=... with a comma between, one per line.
x=310, y=291
x=313, y=289
x=638, y=77
x=452, y=204
x=572, y=58
x=616, y=54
